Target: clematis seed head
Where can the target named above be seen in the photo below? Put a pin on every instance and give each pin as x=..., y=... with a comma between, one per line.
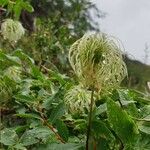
x=77, y=99
x=12, y=30
x=97, y=61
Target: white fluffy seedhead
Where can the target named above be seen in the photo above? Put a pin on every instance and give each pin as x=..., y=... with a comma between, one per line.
x=97, y=61
x=77, y=99
x=12, y=30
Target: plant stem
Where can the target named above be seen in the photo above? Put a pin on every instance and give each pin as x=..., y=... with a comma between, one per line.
x=53, y=130
x=90, y=119
x=44, y=119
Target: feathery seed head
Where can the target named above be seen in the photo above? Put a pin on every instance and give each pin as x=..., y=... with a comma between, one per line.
x=77, y=99
x=97, y=61
x=12, y=30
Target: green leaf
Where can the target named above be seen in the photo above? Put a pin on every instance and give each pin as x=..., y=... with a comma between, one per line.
x=102, y=144
x=127, y=101
x=27, y=6
x=59, y=77
x=29, y=115
x=4, y=2
x=55, y=97
x=24, y=98
x=62, y=129
x=36, y=135
x=67, y=146
x=10, y=60
x=48, y=101
x=101, y=109
x=144, y=128
x=143, y=143
x=20, y=129
x=140, y=97
x=80, y=125
x=124, y=95
x=100, y=130
x=121, y=123
x=145, y=111
x=57, y=113
x=17, y=9
x=144, y=125
x=36, y=73
x=23, y=56
x=19, y=147
x=8, y=137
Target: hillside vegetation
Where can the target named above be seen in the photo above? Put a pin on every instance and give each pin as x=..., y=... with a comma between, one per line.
x=139, y=74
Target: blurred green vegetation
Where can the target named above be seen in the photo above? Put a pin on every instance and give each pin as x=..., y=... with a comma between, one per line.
x=138, y=75
x=54, y=25
x=52, y=28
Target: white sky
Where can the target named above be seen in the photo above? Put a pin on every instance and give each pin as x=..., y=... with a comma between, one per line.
x=128, y=20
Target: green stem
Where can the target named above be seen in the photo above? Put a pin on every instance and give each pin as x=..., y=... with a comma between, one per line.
x=90, y=120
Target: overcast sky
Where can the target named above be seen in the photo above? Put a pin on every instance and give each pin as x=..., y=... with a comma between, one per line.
x=128, y=20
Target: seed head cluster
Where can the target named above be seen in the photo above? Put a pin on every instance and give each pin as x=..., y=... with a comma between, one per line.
x=12, y=30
